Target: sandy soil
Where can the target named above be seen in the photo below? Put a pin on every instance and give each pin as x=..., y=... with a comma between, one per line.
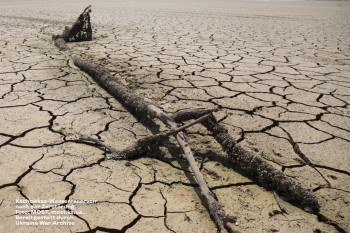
x=274, y=67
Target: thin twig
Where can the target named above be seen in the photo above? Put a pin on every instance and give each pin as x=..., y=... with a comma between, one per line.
x=279, y=202
x=98, y=142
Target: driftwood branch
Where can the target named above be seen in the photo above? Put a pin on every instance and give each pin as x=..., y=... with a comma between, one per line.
x=260, y=171
x=141, y=108
x=133, y=102
x=142, y=146
x=254, y=166
x=81, y=30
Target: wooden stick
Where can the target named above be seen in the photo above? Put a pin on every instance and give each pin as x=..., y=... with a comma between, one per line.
x=279, y=202
x=142, y=146
x=189, y=114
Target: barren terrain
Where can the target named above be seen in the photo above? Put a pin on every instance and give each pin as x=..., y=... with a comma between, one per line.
x=279, y=70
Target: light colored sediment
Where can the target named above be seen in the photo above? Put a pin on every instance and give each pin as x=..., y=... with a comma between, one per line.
x=274, y=67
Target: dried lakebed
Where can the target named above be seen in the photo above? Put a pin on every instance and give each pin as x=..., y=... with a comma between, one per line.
x=280, y=71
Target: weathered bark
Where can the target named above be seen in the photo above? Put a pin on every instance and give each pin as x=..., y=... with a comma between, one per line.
x=133, y=102
x=260, y=171
x=142, y=108
x=81, y=30
x=254, y=166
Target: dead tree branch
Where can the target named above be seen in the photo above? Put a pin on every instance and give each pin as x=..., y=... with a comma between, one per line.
x=141, y=108
x=189, y=114
x=254, y=166
x=142, y=146
x=260, y=171
x=81, y=30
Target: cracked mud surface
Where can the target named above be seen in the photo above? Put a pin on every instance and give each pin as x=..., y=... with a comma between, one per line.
x=280, y=71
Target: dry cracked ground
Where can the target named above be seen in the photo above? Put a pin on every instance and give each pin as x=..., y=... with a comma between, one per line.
x=279, y=70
